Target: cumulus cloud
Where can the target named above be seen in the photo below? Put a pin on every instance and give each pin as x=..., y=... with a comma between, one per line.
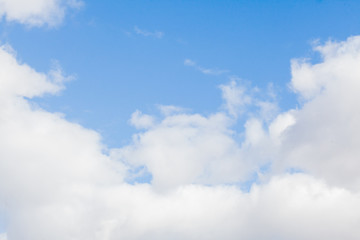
x=188, y=148
x=47, y=163
x=36, y=12
x=319, y=139
x=58, y=181
x=323, y=141
x=288, y=207
x=18, y=79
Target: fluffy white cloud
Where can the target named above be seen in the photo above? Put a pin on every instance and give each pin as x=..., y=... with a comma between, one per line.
x=36, y=12
x=188, y=148
x=288, y=207
x=47, y=164
x=140, y=120
x=20, y=80
x=57, y=182
x=325, y=139
x=321, y=139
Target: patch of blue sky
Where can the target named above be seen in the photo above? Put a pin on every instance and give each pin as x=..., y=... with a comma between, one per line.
x=254, y=178
x=246, y=185
x=139, y=175
x=294, y=170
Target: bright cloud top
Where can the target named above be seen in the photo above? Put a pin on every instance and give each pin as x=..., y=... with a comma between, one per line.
x=36, y=12
x=57, y=181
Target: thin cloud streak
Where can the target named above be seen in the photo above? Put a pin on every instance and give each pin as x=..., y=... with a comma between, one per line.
x=207, y=71
x=145, y=33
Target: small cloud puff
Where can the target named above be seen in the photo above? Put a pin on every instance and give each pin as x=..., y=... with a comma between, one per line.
x=140, y=120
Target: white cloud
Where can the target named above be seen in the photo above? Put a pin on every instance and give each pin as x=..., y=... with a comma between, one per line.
x=36, y=12
x=281, y=124
x=145, y=33
x=56, y=182
x=18, y=79
x=140, y=120
x=325, y=139
x=236, y=97
x=188, y=148
x=208, y=71
x=288, y=207
x=47, y=164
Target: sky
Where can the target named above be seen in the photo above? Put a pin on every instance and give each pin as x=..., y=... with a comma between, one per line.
x=179, y=119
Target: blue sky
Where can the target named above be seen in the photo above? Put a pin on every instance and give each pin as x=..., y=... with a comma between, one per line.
x=178, y=120
x=118, y=71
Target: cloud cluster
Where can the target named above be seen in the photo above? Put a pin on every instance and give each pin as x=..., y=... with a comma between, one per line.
x=302, y=163
x=36, y=12
x=58, y=181
x=185, y=149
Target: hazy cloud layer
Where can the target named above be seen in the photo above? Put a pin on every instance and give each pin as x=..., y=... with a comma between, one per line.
x=57, y=180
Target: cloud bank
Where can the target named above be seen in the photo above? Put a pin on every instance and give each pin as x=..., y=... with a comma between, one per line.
x=286, y=175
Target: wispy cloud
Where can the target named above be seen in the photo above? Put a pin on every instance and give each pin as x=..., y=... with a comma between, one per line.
x=208, y=71
x=146, y=33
